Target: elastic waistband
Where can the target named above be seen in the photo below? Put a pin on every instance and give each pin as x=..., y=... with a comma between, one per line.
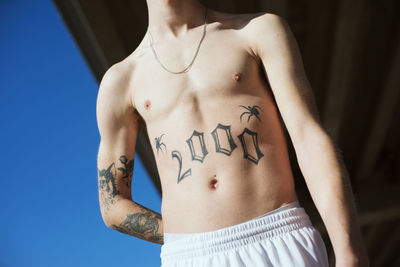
x=202, y=244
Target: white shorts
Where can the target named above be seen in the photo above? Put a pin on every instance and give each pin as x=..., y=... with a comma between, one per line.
x=283, y=237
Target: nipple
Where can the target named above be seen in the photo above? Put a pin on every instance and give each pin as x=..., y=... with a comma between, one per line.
x=236, y=76
x=214, y=182
x=147, y=104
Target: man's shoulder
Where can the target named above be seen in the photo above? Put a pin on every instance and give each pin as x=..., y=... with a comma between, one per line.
x=248, y=20
x=115, y=84
x=264, y=31
x=260, y=23
x=120, y=73
x=117, y=77
x=264, y=17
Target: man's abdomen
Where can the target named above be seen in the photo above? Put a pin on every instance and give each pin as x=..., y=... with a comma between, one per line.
x=228, y=167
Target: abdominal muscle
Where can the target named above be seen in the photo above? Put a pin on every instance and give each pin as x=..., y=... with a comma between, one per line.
x=207, y=186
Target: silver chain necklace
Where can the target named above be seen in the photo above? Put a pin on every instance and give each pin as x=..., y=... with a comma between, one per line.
x=195, y=55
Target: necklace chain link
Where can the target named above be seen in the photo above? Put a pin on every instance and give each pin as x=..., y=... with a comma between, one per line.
x=194, y=57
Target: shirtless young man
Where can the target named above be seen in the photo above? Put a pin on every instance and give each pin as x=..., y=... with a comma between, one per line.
x=228, y=192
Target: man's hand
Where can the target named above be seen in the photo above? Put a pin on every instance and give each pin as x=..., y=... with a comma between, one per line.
x=118, y=126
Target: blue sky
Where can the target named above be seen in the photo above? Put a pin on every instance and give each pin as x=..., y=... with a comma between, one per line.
x=49, y=139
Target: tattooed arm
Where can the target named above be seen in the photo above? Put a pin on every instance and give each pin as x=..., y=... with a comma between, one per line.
x=118, y=126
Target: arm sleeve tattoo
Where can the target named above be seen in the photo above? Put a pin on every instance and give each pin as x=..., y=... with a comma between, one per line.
x=145, y=223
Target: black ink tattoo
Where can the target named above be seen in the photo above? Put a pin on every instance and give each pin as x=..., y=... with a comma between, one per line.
x=127, y=170
x=159, y=144
x=204, y=151
x=177, y=154
x=246, y=155
x=144, y=224
x=107, y=186
x=251, y=111
x=227, y=130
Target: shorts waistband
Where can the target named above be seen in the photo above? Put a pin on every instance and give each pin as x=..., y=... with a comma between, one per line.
x=169, y=237
x=285, y=207
x=253, y=230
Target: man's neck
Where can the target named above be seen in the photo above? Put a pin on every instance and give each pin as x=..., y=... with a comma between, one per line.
x=174, y=17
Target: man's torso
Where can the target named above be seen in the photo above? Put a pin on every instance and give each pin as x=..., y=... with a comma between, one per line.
x=215, y=130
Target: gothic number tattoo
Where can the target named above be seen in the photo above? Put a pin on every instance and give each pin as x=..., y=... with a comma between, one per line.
x=218, y=132
x=246, y=154
x=177, y=154
x=200, y=138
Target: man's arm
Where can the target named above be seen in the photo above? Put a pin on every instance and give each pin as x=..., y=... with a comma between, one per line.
x=319, y=158
x=118, y=126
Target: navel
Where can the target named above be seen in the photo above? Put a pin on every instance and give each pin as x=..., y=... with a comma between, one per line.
x=147, y=104
x=214, y=182
x=236, y=76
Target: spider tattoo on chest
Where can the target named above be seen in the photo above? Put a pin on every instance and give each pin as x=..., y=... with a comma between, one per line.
x=160, y=144
x=250, y=111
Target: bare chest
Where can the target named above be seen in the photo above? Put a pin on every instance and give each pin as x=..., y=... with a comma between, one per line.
x=224, y=67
